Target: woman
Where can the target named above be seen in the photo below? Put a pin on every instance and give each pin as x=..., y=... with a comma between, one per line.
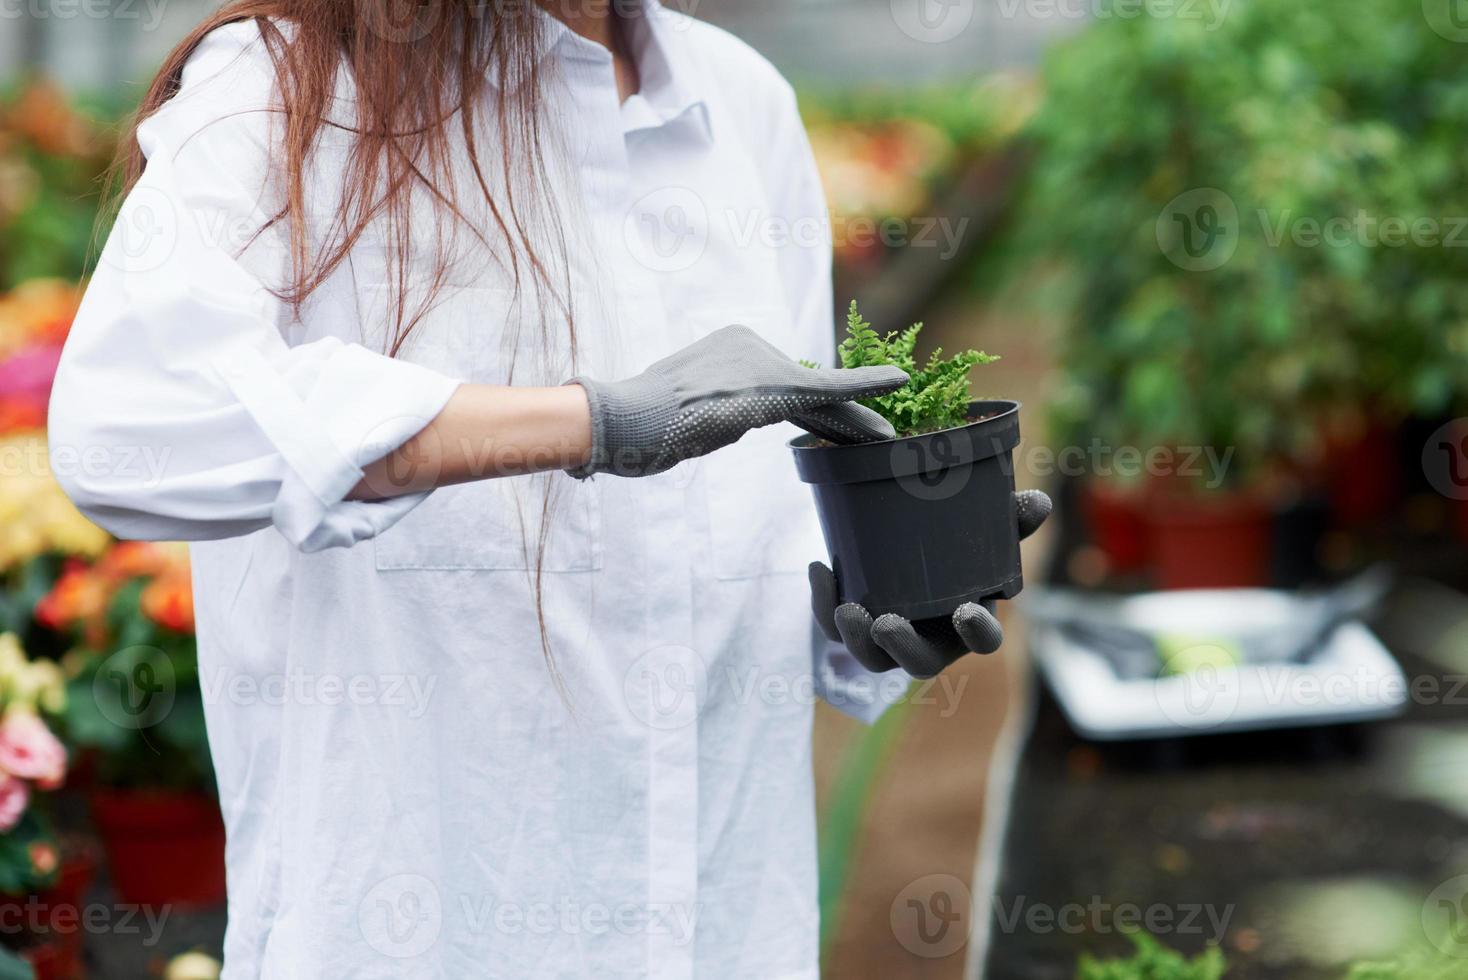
x=505, y=676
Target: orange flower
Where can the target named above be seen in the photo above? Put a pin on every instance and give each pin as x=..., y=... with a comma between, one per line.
x=132, y=559
x=169, y=601
x=44, y=858
x=45, y=116
x=79, y=595
x=18, y=414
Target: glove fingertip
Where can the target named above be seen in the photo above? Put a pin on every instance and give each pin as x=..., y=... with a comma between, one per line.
x=823, y=599
x=1032, y=507
x=978, y=628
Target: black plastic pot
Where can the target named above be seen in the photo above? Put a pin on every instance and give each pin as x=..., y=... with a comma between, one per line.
x=919, y=526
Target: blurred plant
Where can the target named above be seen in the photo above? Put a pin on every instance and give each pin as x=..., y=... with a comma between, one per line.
x=52, y=161
x=1418, y=965
x=32, y=762
x=133, y=672
x=884, y=154
x=1152, y=961
x=1175, y=164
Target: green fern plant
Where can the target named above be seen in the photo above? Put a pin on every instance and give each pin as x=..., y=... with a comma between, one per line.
x=936, y=395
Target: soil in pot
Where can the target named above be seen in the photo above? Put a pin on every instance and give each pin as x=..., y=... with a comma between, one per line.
x=163, y=847
x=1210, y=540
x=920, y=525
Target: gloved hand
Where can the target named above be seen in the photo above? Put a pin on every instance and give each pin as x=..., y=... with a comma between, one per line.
x=927, y=647
x=713, y=391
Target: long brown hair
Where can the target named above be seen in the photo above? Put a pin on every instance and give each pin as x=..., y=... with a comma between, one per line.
x=421, y=72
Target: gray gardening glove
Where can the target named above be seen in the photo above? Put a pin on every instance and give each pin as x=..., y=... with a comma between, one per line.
x=711, y=392
x=927, y=647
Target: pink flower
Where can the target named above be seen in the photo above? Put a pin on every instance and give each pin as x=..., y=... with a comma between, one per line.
x=15, y=796
x=28, y=374
x=30, y=751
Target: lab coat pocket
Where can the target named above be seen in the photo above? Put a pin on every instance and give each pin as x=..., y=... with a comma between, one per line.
x=471, y=334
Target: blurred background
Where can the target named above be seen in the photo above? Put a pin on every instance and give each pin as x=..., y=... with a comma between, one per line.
x=1220, y=247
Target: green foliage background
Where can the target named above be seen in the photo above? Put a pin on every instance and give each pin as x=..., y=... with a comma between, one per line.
x=1293, y=111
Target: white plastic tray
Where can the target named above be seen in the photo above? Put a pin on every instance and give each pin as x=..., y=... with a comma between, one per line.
x=1354, y=678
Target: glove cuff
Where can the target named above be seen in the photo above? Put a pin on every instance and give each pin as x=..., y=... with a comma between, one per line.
x=629, y=423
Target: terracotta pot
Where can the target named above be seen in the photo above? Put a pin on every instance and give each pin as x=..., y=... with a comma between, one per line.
x=163, y=847
x=1208, y=541
x=1117, y=524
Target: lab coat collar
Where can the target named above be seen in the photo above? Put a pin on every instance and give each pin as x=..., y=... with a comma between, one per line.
x=671, y=85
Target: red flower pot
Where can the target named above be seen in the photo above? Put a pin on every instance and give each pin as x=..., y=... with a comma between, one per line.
x=1210, y=541
x=1116, y=521
x=163, y=847
x=54, y=918
x=56, y=959
x=1363, y=475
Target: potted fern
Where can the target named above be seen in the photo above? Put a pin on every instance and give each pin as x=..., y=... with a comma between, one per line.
x=920, y=524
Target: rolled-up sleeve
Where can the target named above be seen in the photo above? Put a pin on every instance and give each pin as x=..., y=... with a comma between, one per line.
x=180, y=411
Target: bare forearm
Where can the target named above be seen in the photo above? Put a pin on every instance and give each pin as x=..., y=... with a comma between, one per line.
x=483, y=432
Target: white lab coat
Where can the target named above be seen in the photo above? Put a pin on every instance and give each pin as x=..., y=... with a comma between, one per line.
x=406, y=793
